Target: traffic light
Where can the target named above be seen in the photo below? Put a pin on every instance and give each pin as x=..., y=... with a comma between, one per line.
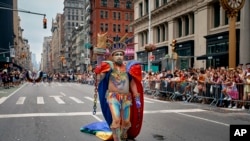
x=173, y=45
x=44, y=23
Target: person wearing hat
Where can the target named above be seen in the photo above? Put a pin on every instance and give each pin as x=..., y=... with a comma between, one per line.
x=120, y=93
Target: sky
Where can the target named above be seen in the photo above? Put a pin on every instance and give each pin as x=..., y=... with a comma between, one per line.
x=33, y=24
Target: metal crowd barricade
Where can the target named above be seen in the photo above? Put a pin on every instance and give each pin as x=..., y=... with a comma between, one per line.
x=240, y=89
x=172, y=90
x=204, y=94
x=219, y=97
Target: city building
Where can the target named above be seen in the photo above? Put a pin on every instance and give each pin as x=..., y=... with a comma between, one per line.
x=201, y=28
x=14, y=49
x=57, y=31
x=46, y=64
x=112, y=17
x=73, y=13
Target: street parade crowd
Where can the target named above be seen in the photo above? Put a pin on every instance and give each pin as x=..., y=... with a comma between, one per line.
x=223, y=87
x=220, y=86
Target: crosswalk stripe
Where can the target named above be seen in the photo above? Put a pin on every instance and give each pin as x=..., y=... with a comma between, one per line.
x=40, y=100
x=20, y=100
x=76, y=100
x=2, y=99
x=58, y=99
x=91, y=99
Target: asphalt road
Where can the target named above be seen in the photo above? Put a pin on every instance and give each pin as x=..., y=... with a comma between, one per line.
x=56, y=112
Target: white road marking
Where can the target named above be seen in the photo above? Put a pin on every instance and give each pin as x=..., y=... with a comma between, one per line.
x=58, y=99
x=96, y=117
x=40, y=100
x=91, y=99
x=20, y=100
x=2, y=99
x=213, y=121
x=91, y=114
x=76, y=100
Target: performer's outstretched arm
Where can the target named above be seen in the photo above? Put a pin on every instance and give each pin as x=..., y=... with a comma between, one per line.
x=136, y=95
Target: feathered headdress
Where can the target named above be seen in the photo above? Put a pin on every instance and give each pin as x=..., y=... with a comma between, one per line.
x=118, y=45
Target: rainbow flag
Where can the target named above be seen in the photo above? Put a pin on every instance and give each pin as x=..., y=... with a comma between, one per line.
x=99, y=129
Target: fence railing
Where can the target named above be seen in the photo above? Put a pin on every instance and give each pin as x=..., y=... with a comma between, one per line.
x=192, y=91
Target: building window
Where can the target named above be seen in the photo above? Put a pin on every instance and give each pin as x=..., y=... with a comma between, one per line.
x=163, y=35
x=146, y=8
x=217, y=48
x=119, y=28
x=141, y=9
x=186, y=25
x=114, y=15
x=142, y=40
x=165, y=1
x=216, y=8
x=158, y=35
x=116, y=3
x=226, y=18
x=114, y=27
x=126, y=28
x=179, y=27
x=102, y=14
x=106, y=27
x=157, y=3
x=102, y=28
x=128, y=4
x=104, y=3
x=238, y=16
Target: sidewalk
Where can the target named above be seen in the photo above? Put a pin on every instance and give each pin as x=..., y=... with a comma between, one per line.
x=5, y=92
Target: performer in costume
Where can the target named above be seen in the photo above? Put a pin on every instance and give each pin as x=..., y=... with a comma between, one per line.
x=34, y=77
x=120, y=93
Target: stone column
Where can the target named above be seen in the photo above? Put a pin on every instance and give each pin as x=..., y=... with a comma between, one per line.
x=222, y=16
x=201, y=30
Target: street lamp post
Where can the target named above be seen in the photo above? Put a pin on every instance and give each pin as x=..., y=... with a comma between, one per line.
x=174, y=55
x=149, y=36
x=232, y=7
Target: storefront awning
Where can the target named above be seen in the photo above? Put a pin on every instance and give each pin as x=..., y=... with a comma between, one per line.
x=211, y=56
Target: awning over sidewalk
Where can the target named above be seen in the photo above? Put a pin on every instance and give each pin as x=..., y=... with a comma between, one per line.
x=211, y=56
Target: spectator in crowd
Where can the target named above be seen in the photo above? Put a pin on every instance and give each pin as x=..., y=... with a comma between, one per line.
x=246, y=94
